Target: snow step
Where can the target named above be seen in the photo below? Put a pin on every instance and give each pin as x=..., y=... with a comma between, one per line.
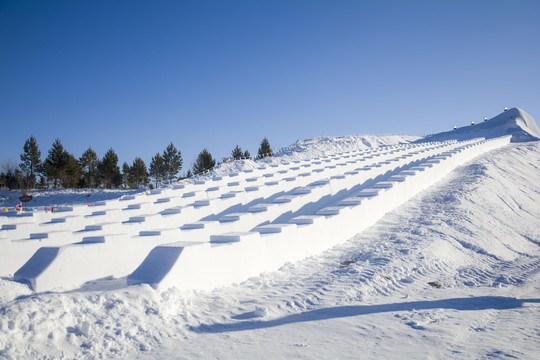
x=351, y=201
x=201, y=203
x=93, y=239
x=274, y=228
x=98, y=203
x=259, y=208
x=306, y=219
x=396, y=178
x=36, y=236
x=383, y=185
x=127, y=197
x=233, y=237
x=93, y=227
x=98, y=213
x=368, y=193
x=301, y=191
x=150, y=233
x=233, y=217
x=283, y=199
x=329, y=211
x=63, y=209
x=171, y=211
x=195, y=225
x=319, y=183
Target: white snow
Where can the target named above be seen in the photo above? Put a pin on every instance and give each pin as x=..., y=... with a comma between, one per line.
x=475, y=232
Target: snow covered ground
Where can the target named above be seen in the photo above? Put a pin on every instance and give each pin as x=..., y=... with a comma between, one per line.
x=475, y=232
x=42, y=199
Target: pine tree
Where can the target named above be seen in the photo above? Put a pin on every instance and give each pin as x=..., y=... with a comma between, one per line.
x=172, y=162
x=157, y=169
x=125, y=175
x=70, y=171
x=237, y=153
x=138, y=175
x=247, y=155
x=54, y=162
x=204, y=162
x=89, y=162
x=12, y=177
x=30, y=161
x=108, y=170
x=265, y=149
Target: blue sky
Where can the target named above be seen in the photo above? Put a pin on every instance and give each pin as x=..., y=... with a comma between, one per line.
x=136, y=75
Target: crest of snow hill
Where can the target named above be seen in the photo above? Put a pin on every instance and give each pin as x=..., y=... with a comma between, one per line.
x=515, y=122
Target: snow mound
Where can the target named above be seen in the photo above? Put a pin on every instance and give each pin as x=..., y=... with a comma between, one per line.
x=515, y=122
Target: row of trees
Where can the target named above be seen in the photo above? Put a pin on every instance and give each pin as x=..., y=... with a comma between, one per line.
x=61, y=169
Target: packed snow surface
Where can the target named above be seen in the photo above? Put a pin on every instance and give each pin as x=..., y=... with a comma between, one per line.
x=473, y=235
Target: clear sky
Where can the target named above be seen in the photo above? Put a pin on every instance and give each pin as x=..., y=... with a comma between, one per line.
x=135, y=75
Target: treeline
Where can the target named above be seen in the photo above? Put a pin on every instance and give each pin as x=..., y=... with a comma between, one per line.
x=62, y=169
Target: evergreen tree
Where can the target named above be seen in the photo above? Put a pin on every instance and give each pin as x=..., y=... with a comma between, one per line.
x=11, y=176
x=30, y=160
x=125, y=175
x=70, y=170
x=108, y=170
x=265, y=149
x=237, y=153
x=157, y=169
x=188, y=174
x=204, y=162
x=172, y=162
x=138, y=175
x=54, y=162
x=247, y=155
x=89, y=162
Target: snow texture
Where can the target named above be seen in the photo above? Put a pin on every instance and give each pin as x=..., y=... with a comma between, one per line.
x=259, y=274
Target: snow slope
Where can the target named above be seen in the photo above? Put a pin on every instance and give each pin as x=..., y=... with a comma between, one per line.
x=475, y=232
x=515, y=122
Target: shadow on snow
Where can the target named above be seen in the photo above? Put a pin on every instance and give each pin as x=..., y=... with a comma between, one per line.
x=467, y=304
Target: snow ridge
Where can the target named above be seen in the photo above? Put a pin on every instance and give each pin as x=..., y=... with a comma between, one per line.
x=515, y=122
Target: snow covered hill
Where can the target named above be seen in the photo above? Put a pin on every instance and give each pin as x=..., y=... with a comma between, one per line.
x=515, y=122
x=468, y=227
